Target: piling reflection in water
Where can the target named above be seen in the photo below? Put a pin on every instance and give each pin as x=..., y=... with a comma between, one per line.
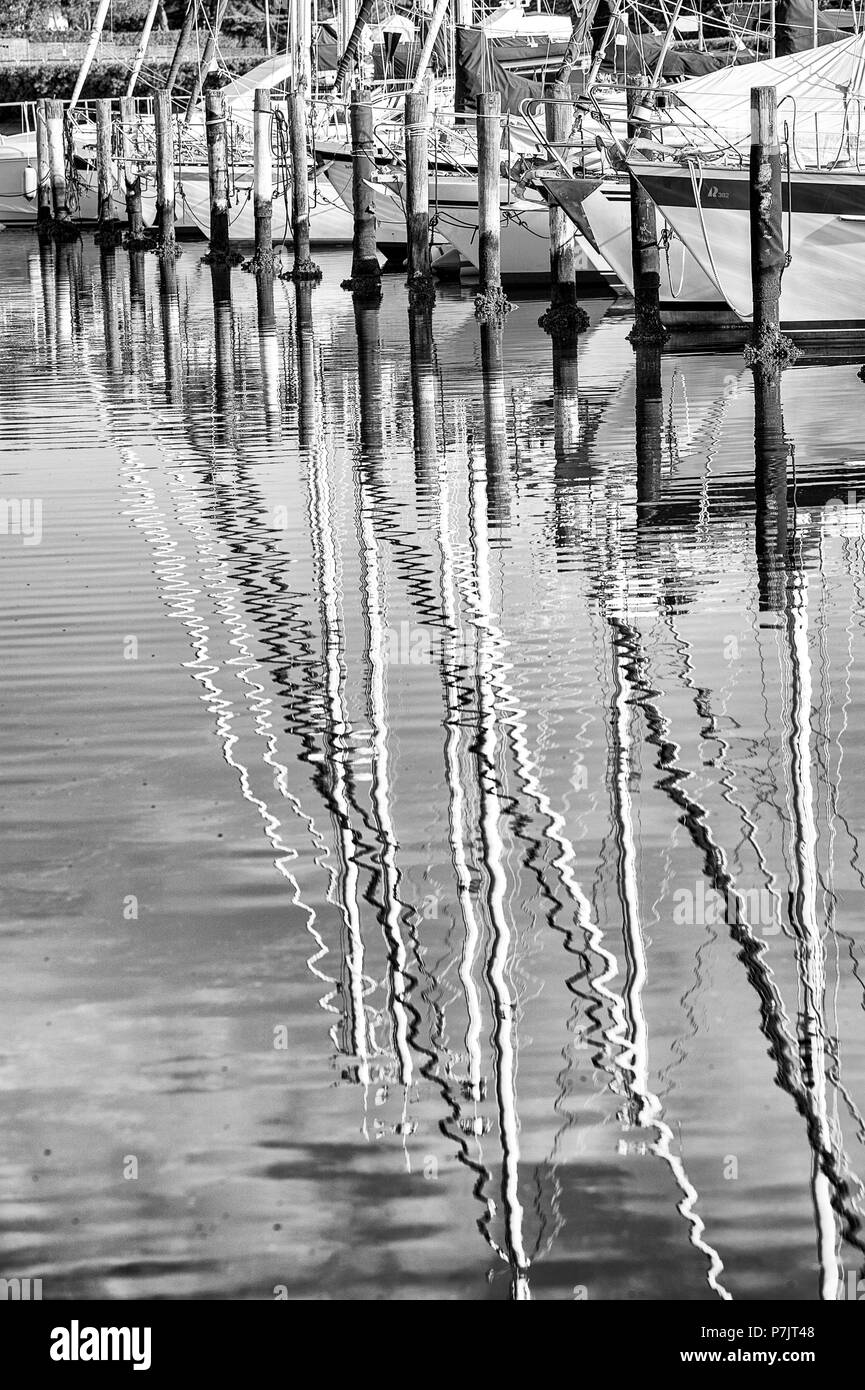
x=169, y=313
x=110, y=312
x=479, y=736
x=495, y=423
x=648, y=425
x=67, y=289
x=305, y=350
x=223, y=338
x=423, y=395
x=770, y=489
x=268, y=355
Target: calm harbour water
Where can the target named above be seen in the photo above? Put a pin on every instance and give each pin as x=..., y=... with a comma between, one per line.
x=431, y=789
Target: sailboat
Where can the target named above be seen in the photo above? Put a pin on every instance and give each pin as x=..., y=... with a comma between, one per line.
x=700, y=182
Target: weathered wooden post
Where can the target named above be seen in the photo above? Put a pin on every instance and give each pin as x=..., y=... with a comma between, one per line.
x=108, y=233
x=767, y=236
x=365, y=269
x=165, y=239
x=420, y=282
x=135, y=237
x=43, y=172
x=645, y=255
x=262, y=184
x=217, y=172
x=304, y=267
x=491, y=304
x=63, y=225
x=564, y=318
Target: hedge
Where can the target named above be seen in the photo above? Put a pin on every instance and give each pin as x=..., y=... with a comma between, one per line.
x=31, y=81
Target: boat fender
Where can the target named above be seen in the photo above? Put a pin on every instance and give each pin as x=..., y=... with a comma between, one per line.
x=29, y=182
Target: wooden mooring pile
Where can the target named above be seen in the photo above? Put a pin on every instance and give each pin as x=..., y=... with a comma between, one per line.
x=119, y=166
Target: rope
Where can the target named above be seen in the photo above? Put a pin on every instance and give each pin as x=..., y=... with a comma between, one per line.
x=283, y=163
x=664, y=243
x=788, y=255
x=697, y=185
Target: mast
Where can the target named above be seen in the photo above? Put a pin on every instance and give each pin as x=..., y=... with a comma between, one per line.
x=665, y=46
x=602, y=46
x=364, y=15
x=217, y=14
x=302, y=69
x=429, y=44
x=182, y=44
x=582, y=26
x=142, y=47
x=87, y=62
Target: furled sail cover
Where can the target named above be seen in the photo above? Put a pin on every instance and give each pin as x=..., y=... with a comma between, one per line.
x=820, y=99
x=517, y=68
x=794, y=27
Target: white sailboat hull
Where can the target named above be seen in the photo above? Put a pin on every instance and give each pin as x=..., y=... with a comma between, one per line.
x=390, y=233
x=823, y=287
x=687, y=294
x=329, y=222
x=525, y=235
x=18, y=201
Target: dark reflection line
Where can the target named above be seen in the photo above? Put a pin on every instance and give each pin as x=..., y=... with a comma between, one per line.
x=224, y=412
x=492, y=850
x=268, y=357
x=169, y=311
x=856, y=569
x=410, y=564
x=460, y=780
x=422, y=374
x=372, y=513
x=48, y=271
x=375, y=640
x=110, y=311
x=225, y=525
x=635, y=1051
x=495, y=424
x=68, y=276
x=325, y=570
x=782, y=1049
x=770, y=490
x=259, y=579
x=649, y=410
x=810, y=951
x=305, y=358
x=644, y=1108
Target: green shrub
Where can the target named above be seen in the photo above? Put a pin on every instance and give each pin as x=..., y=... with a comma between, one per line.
x=29, y=82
